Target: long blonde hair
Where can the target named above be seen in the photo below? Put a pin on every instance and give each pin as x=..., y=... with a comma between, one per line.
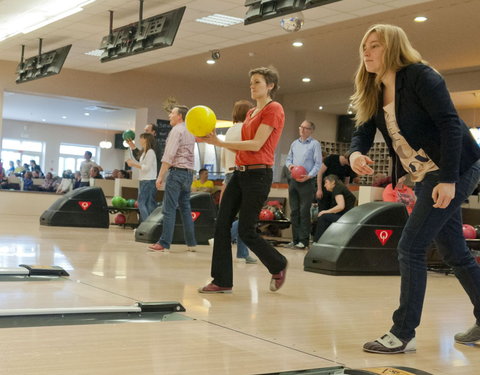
x=398, y=54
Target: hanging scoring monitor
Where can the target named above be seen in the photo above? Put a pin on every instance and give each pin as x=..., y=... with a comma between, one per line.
x=155, y=32
x=260, y=10
x=44, y=65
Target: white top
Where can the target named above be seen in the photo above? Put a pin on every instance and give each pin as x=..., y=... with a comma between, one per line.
x=148, y=166
x=85, y=167
x=416, y=162
x=228, y=157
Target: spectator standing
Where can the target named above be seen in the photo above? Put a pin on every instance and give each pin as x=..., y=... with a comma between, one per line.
x=147, y=191
x=178, y=161
x=306, y=152
x=150, y=129
x=85, y=167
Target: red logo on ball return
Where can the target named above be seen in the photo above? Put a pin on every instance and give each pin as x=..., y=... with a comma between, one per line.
x=383, y=235
x=85, y=205
x=195, y=215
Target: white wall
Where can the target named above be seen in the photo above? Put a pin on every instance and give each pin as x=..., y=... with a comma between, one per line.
x=54, y=135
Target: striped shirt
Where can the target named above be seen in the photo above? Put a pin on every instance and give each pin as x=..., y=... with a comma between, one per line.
x=179, y=148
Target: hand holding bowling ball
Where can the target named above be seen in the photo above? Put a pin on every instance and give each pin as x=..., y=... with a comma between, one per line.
x=200, y=121
x=128, y=135
x=298, y=172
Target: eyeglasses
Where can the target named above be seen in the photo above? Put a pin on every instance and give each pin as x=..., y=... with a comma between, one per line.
x=304, y=127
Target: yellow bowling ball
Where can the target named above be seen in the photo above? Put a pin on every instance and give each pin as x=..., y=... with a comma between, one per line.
x=200, y=120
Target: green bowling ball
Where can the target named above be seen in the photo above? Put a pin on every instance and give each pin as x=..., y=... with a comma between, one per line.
x=128, y=134
x=119, y=202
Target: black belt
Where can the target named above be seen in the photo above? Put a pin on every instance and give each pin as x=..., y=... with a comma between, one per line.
x=179, y=169
x=243, y=168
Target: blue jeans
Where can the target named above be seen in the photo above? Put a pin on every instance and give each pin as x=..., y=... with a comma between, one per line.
x=147, y=201
x=177, y=195
x=242, y=249
x=444, y=226
x=245, y=194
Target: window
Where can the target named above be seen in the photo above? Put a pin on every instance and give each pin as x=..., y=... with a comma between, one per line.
x=17, y=149
x=71, y=156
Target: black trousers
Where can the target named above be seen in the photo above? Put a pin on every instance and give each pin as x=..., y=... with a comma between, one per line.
x=245, y=194
x=300, y=196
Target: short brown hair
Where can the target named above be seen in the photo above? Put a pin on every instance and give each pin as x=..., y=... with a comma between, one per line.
x=182, y=110
x=271, y=76
x=240, y=109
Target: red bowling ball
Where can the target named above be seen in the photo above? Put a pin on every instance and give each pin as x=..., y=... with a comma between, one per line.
x=298, y=172
x=120, y=219
x=469, y=232
x=266, y=215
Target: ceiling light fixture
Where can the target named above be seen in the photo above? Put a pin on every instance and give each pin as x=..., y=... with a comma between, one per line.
x=306, y=79
x=297, y=44
x=220, y=20
x=210, y=61
x=33, y=18
x=320, y=107
x=420, y=19
x=105, y=144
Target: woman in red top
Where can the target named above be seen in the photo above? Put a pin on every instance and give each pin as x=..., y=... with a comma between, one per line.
x=248, y=189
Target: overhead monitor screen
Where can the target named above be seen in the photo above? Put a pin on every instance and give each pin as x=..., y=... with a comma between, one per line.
x=153, y=33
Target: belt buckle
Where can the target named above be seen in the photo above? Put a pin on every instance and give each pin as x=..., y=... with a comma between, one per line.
x=242, y=168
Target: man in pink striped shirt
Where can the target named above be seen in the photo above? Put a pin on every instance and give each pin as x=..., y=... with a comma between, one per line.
x=178, y=159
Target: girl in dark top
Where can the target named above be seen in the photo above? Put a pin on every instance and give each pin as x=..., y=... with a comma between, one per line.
x=342, y=201
x=397, y=93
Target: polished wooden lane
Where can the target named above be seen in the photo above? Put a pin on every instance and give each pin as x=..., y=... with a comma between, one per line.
x=314, y=321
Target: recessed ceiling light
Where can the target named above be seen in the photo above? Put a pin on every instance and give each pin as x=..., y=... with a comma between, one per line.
x=297, y=44
x=220, y=20
x=44, y=120
x=306, y=79
x=420, y=19
x=210, y=61
x=320, y=107
x=64, y=117
x=87, y=114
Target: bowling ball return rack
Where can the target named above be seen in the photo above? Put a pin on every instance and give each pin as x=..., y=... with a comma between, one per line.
x=127, y=211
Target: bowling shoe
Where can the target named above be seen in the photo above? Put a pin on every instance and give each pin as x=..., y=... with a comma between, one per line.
x=390, y=344
x=212, y=288
x=278, y=279
x=157, y=247
x=469, y=337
